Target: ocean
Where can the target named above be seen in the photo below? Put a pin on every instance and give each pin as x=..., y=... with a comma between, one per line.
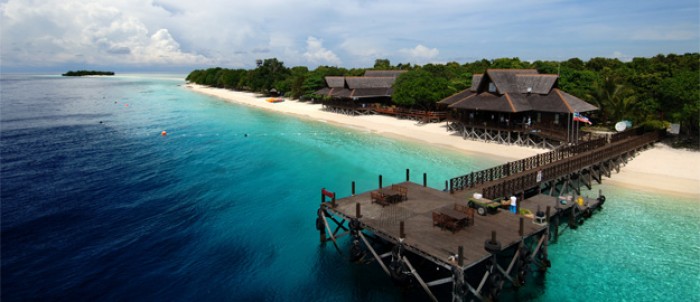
x=97, y=204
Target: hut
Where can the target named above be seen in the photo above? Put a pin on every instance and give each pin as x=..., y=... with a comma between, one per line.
x=356, y=95
x=516, y=106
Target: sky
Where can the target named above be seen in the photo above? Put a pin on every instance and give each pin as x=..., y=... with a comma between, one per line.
x=181, y=35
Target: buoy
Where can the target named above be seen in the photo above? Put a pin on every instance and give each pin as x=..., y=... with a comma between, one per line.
x=164, y=133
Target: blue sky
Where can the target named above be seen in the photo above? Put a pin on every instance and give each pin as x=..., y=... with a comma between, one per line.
x=146, y=35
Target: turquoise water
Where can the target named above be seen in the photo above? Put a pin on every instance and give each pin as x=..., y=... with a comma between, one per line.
x=96, y=204
x=641, y=247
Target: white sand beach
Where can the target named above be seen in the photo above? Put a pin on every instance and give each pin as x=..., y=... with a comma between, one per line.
x=659, y=169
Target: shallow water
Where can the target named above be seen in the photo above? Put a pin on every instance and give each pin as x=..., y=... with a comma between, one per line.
x=96, y=204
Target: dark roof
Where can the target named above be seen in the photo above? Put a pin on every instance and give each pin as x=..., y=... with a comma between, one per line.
x=576, y=104
x=484, y=101
x=369, y=82
x=383, y=73
x=517, y=90
x=494, y=102
x=536, y=83
x=557, y=101
x=369, y=92
x=335, y=81
x=504, y=79
x=456, y=97
x=476, y=79
x=360, y=87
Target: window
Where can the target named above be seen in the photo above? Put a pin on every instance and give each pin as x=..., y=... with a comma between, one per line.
x=492, y=87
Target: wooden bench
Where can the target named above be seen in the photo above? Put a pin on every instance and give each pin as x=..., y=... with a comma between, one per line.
x=379, y=198
x=403, y=191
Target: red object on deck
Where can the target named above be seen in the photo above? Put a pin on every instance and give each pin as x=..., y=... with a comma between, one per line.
x=327, y=193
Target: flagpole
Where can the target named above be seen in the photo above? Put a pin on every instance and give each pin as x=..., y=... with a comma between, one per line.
x=568, y=129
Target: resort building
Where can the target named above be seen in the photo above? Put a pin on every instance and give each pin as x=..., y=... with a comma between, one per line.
x=370, y=94
x=516, y=106
x=356, y=95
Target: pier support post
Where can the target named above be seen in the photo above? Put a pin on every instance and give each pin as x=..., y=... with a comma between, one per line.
x=402, y=234
x=446, y=184
x=521, y=231
x=460, y=256
x=556, y=226
x=320, y=225
x=380, y=181
x=358, y=213
x=353, y=188
x=425, y=179
x=408, y=175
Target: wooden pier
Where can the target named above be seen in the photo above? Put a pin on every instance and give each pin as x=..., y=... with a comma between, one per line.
x=405, y=223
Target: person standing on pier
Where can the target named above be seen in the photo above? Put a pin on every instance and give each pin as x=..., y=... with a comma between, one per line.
x=513, y=204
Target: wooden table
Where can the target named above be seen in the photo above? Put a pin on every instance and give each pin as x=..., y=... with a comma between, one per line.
x=390, y=196
x=451, y=219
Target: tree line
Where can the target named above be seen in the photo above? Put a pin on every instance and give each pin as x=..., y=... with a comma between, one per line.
x=647, y=91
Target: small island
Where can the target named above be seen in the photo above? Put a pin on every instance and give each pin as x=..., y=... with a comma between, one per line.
x=80, y=73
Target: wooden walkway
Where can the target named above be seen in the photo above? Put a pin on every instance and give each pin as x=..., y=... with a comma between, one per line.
x=497, y=249
x=421, y=237
x=525, y=174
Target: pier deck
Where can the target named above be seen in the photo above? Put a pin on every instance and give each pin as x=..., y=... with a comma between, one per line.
x=432, y=241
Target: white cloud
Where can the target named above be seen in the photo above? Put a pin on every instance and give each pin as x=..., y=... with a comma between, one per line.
x=420, y=54
x=299, y=32
x=622, y=57
x=53, y=33
x=317, y=54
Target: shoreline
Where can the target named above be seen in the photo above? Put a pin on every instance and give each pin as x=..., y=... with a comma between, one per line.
x=679, y=174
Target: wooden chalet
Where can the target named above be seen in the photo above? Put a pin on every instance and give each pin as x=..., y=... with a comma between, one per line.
x=516, y=106
x=356, y=95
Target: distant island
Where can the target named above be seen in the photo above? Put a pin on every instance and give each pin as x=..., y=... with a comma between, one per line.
x=80, y=73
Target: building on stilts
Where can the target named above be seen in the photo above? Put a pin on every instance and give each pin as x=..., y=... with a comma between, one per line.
x=516, y=106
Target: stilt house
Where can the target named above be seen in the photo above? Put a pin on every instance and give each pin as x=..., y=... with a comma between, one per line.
x=516, y=106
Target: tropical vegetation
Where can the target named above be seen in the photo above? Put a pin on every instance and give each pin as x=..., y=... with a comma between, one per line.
x=646, y=91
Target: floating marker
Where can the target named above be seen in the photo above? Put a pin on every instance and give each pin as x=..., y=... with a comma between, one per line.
x=164, y=133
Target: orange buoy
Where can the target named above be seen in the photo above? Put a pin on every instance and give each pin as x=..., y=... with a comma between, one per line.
x=164, y=133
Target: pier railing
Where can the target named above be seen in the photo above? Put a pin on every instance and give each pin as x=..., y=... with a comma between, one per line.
x=477, y=178
x=568, y=166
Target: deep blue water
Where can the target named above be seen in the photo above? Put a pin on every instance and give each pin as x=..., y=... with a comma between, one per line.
x=96, y=204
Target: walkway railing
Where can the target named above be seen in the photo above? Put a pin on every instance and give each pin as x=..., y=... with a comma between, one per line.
x=477, y=178
x=570, y=165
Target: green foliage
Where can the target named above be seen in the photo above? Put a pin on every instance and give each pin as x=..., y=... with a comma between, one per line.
x=382, y=64
x=420, y=88
x=648, y=91
x=80, y=73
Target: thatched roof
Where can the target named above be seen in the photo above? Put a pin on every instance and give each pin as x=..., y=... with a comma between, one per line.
x=384, y=73
x=379, y=84
x=334, y=82
x=369, y=82
x=535, y=83
x=456, y=97
x=494, y=102
x=504, y=79
x=476, y=79
x=517, y=90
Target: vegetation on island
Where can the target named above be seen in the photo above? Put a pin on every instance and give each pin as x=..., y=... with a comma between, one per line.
x=647, y=91
x=80, y=73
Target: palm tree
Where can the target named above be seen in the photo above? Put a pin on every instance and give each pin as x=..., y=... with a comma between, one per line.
x=616, y=101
